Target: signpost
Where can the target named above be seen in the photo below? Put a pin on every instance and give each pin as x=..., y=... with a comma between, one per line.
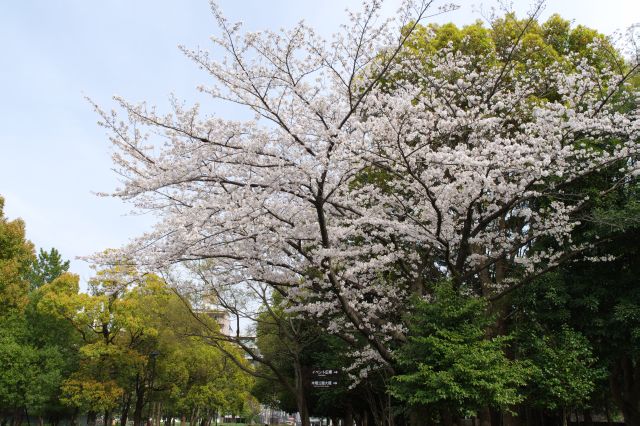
x=324, y=378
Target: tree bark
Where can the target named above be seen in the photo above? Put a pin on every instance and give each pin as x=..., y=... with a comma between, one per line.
x=301, y=400
x=124, y=414
x=509, y=419
x=158, y=413
x=348, y=415
x=16, y=420
x=194, y=417
x=484, y=415
x=625, y=389
x=91, y=418
x=140, y=395
x=73, y=421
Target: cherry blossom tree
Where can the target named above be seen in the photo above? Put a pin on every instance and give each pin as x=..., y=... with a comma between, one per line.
x=370, y=170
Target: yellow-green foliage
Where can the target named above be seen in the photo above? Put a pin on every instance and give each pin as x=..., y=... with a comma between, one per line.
x=540, y=44
x=16, y=256
x=88, y=394
x=124, y=319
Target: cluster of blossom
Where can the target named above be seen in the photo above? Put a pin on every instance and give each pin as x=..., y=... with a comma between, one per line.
x=346, y=195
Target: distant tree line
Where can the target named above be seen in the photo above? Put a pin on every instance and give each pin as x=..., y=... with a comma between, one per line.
x=129, y=350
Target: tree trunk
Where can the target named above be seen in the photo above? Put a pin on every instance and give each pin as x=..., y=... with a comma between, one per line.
x=348, y=415
x=484, y=415
x=158, y=413
x=16, y=420
x=73, y=421
x=91, y=418
x=625, y=389
x=301, y=400
x=107, y=418
x=124, y=414
x=446, y=417
x=509, y=419
x=140, y=395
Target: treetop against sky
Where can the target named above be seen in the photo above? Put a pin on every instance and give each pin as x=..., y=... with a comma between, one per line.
x=55, y=157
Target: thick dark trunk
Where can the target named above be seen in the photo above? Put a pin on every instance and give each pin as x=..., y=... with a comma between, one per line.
x=631, y=417
x=625, y=389
x=348, y=415
x=446, y=418
x=509, y=419
x=484, y=416
x=73, y=421
x=91, y=418
x=301, y=400
x=139, y=406
x=419, y=416
x=107, y=418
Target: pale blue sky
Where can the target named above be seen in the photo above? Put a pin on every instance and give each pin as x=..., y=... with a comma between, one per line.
x=52, y=53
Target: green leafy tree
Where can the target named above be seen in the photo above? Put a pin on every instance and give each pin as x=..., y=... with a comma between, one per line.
x=564, y=368
x=604, y=300
x=114, y=336
x=449, y=367
x=47, y=267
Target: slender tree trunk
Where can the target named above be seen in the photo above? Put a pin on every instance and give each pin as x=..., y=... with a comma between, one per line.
x=194, y=417
x=157, y=413
x=16, y=420
x=124, y=414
